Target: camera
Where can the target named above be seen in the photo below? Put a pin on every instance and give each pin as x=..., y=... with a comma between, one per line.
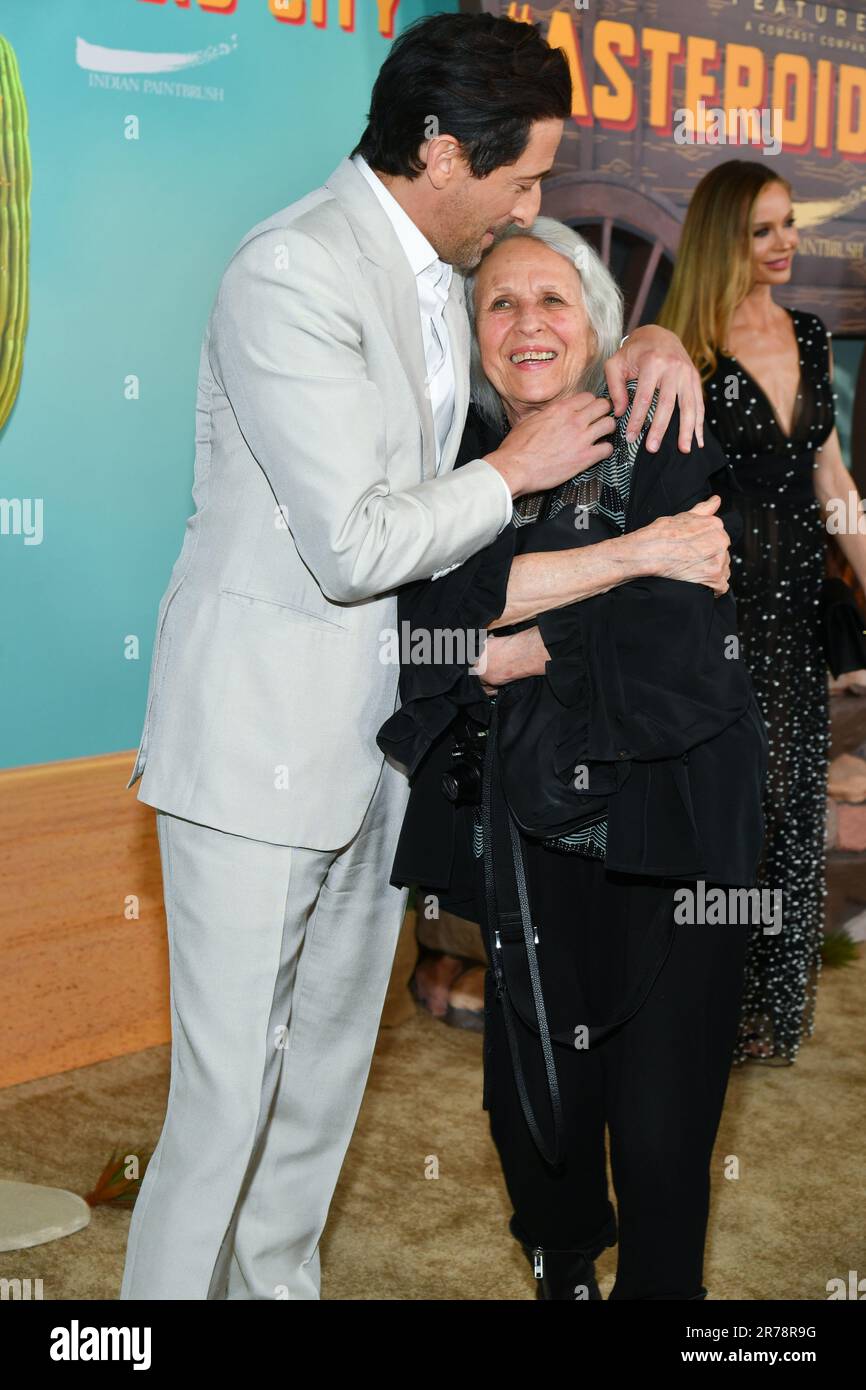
x=461, y=784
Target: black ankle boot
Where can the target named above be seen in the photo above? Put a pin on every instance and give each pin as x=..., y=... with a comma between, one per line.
x=565, y=1274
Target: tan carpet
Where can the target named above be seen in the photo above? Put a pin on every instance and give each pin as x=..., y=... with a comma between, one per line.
x=791, y=1221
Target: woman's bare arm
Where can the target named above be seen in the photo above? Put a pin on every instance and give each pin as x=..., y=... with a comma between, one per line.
x=550, y=579
x=511, y=658
x=693, y=546
x=837, y=492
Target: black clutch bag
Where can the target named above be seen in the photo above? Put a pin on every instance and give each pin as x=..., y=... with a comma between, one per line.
x=843, y=628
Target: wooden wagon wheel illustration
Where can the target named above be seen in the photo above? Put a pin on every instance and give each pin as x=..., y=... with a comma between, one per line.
x=635, y=234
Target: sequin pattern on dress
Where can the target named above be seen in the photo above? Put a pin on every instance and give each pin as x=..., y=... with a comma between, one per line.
x=777, y=570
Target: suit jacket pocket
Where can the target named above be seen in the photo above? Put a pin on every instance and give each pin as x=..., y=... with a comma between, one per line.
x=291, y=611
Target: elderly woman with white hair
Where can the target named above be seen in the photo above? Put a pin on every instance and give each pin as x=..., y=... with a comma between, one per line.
x=584, y=789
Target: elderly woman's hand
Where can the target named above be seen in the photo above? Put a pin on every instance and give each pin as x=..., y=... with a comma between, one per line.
x=510, y=658
x=658, y=359
x=693, y=546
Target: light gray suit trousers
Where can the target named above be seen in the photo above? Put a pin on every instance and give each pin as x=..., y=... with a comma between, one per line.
x=280, y=959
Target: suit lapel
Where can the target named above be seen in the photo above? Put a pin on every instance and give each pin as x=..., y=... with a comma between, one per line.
x=457, y=323
x=389, y=277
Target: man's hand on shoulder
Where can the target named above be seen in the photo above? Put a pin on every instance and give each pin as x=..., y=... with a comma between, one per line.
x=659, y=361
x=555, y=443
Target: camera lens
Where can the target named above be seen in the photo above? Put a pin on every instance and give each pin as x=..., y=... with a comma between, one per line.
x=462, y=785
x=450, y=786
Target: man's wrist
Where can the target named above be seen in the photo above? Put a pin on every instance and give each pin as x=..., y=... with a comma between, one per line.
x=509, y=469
x=508, y=500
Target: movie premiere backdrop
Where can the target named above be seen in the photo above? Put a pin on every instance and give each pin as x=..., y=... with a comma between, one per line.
x=150, y=135
x=655, y=85
x=140, y=139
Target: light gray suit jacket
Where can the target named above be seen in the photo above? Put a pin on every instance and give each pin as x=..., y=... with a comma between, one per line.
x=316, y=497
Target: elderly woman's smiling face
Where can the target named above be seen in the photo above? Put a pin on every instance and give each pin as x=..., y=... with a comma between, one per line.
x=533, y=332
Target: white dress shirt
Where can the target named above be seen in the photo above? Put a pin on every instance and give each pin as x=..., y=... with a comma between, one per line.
x=432, y=280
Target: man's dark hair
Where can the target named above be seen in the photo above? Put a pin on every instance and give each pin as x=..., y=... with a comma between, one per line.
x=484, y=79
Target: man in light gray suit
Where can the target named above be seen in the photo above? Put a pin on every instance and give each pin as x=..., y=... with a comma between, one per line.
x=332, y=394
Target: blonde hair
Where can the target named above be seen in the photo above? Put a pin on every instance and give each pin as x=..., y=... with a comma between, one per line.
x=713, y=267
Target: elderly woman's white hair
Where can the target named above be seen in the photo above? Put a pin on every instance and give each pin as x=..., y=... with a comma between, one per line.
x=601, y=295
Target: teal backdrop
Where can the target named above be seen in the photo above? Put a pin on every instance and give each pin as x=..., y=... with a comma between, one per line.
x=129, y=239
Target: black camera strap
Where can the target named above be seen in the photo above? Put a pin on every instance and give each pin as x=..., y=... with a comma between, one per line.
x=512, y=940
x=509, y=925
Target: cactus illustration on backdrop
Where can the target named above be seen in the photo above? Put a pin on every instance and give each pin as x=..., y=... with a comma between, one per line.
x=14, y=227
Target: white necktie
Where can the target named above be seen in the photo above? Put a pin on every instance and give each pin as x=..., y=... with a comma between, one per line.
x=439, y=382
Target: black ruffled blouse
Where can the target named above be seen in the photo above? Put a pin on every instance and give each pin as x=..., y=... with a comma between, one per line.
x=642, y=690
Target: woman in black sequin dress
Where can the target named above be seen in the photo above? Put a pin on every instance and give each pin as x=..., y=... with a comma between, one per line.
x=767, y=375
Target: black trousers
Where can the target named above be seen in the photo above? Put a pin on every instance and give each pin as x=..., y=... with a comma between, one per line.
x=657, y=1083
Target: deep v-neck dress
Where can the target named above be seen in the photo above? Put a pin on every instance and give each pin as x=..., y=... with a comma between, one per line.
x=776, y=576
